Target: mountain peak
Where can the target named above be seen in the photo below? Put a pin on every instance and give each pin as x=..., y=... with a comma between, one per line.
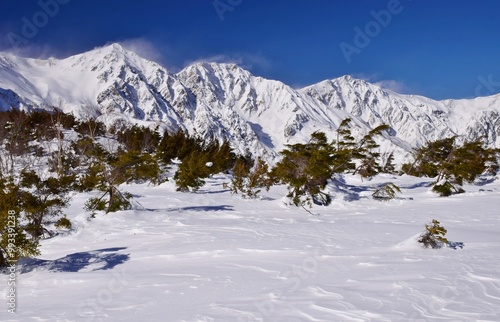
x=114, y=49
x=223, y=100
x=348, y=79
x=117, y=46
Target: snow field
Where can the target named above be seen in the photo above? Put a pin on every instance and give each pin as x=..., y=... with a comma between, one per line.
x=211, y=256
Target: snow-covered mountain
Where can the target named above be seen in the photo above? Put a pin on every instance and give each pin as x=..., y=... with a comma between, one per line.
x=226, y=101
x=413, y=119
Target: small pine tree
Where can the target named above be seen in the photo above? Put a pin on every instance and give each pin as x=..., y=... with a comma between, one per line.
x=248, y=179
x=386, y=192
x=63, y=223
x=241, y=170
x=433, y=236
x=258, y=178
x=389, y=166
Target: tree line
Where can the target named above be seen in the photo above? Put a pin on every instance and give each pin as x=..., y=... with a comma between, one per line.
x=46, y=157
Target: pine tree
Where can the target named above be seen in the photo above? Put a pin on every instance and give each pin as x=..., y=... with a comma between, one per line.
x=135, y=166
x=387, y=192
x=345, y=140
x=258, y=178
x=42, y=199
x=248, y=179
x=241, y=170
x=433, y=235
x=469, y=161
x=223, y=157
x=389, y=166
x=306, y=169
x=199, y=159
x=109, y=170
x=345, y=150
x=367, y=153
x=16, y=137
x=191, y=172
x=430, y=158
x=15, y=242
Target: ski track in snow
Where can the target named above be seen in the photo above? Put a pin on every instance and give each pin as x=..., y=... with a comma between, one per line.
x=211, y=256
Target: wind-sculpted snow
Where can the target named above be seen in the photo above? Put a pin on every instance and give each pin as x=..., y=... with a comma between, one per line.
x=213, y=256
x=224, y=101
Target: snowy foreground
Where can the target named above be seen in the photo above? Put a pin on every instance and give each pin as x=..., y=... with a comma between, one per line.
x=211, y=256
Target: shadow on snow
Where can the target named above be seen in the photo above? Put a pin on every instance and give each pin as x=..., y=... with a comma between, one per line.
x=206, y=208
x=102, y=259
x=193, y=208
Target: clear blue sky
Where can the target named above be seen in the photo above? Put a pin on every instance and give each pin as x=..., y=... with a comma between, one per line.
x=441, y=49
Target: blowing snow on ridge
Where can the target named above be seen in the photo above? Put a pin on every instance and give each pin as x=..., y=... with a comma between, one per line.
x=225, y=101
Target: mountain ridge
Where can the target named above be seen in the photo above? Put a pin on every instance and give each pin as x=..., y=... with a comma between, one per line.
x=225, y=101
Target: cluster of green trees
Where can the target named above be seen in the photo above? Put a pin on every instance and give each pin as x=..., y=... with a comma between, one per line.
x=452, y=164
x=198, y=159
x=46, y=157
x=306, y=168
x=27, y=192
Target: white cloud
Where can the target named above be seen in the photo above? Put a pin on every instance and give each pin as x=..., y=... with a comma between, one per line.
x=37, y=51
x=144, y=48
x=390, y=84
x=216, y=59
x=393, y=85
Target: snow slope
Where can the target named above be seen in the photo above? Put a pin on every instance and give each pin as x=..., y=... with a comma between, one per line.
x=220, y=101
x=211, y=256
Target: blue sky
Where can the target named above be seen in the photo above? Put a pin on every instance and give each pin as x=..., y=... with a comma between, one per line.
x=440, y=49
